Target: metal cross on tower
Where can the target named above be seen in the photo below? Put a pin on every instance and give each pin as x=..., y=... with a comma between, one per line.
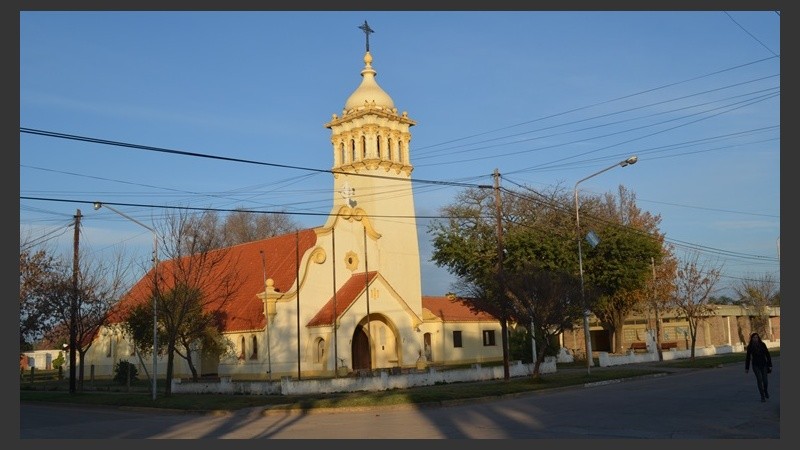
x=367, y=30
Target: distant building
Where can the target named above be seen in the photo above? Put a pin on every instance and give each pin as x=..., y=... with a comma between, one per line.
x=729, y=325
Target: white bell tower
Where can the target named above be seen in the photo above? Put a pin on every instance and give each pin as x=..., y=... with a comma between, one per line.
x=372, y=178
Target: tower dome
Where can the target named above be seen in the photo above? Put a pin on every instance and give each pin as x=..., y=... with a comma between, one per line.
x=368, y=92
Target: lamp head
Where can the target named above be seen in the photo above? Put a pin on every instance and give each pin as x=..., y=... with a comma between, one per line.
x=629, y=161
x=97, y=205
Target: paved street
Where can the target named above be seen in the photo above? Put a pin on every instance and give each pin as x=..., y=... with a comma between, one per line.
x=717, y=403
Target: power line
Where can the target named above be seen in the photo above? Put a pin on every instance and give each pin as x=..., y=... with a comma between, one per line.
x=194, y=208
x=731, y=108
x=699, y=77
x=226, y=158
x=678, y=243
x=418, y=156
x=750, y=34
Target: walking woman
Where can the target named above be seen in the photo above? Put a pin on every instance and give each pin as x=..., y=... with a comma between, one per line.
x=758, y=355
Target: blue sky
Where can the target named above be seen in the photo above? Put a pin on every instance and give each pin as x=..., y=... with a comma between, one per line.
x=545, y=97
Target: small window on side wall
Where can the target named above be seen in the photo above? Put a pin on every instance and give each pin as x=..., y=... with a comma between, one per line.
x=488, y=338
x=457, y=339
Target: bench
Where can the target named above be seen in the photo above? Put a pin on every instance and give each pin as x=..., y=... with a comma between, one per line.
x=638, y=346
x=669, y=345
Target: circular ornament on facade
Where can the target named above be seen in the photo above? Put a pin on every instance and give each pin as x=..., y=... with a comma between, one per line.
x=351, y=260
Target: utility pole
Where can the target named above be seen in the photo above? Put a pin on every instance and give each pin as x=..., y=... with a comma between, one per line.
x=335, y=311
x=366, y=294
x=266, y=314
x=501, y=284
x=655, y=306
x=73, y=306
x=297, y=297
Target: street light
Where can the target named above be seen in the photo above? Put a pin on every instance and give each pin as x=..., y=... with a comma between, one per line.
x=98, y=205
x=586, y=334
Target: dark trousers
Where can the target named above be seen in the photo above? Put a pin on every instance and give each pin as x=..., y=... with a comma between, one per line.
x=761, y=379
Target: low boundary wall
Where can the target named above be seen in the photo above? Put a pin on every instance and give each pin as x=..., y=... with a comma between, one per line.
x=381, y=380
x=606, y=359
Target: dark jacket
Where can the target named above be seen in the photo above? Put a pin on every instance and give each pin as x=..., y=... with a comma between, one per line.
x=759, y=356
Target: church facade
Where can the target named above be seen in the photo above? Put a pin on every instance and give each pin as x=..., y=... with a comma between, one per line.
x=344, y=297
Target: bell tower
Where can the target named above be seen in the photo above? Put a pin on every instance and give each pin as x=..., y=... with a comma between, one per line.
x=372, y=177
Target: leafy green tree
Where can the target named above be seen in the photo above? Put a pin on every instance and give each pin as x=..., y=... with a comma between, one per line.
x=538, y=282
x=551, y=301
x=466, y=243
x=199, y=329
x=618, y=269
x=39, y=272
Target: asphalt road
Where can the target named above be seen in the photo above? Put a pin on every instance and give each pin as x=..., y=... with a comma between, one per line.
x=719, y=403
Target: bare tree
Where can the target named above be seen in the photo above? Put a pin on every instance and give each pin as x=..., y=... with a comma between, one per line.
x=47, y=290
x=240, y=227
x=659, y=294
x=196, y=280
x=695, y=282
x=100, y=285
x=759, y=293
x=244, y=226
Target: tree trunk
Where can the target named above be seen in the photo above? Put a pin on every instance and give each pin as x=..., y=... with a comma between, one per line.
x=170, y=362
x=191, y=364
x=504, y=340
x=617, y=322
x=80, y=369
x=541, y=348
x=658, y=335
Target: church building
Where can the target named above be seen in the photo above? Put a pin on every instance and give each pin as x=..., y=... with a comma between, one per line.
x=344, y=297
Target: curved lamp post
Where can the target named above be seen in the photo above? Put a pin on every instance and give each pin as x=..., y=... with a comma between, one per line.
x=586, y=334
x=98, y=205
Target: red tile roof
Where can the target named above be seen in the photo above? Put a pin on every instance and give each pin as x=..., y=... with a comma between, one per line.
x=345, y=297
x=454, y=309
x=244, y=311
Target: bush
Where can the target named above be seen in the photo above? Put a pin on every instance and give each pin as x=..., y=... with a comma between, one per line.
x=58, y=362
x=121, y=370
x=520, y=348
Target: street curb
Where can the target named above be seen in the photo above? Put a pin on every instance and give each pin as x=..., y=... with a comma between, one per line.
x=278, y=409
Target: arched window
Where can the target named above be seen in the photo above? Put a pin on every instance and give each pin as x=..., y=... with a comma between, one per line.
x=319, y=354
x=254, y=355
x=364, y=147
x=389, y=149
x=353, y=149
x=341, y=153
x=378, y=143
x=241, y=350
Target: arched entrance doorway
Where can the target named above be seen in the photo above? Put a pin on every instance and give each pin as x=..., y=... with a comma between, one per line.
x=360, y=350
x=376, y=344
